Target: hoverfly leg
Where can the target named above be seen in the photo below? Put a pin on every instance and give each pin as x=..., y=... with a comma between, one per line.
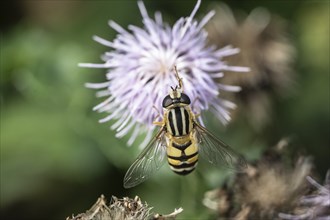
x=194, y=101
x=197, y=115
x=157, y=110
x=193, y=104
x=158, y=123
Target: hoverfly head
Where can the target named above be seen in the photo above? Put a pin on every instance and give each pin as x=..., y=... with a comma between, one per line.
x=176, y=97
x=175, y=93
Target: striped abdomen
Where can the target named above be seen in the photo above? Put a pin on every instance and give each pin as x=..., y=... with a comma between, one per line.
x=182, y=154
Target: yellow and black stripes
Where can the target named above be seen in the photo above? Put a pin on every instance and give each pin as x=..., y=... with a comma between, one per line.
x=179, y=122
x=182, y=158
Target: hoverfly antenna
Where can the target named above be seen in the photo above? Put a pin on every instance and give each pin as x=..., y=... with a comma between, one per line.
x=178, y=78
x=172, y=88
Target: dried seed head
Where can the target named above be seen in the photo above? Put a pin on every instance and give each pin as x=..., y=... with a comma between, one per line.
x=122, y=209
x=274, y=186
x=269, y=186
x=265, y=48
x=315, y=205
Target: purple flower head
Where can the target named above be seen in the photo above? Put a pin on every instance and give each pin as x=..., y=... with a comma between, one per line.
x=140, y=71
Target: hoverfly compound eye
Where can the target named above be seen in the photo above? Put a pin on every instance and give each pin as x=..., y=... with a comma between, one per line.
x=167, y=101
x=185, y=99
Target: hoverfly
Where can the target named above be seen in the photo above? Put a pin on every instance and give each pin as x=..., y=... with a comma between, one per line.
x=182, y=139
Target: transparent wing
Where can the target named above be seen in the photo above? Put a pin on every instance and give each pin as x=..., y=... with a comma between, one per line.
x=217, y=152
x=148, y=162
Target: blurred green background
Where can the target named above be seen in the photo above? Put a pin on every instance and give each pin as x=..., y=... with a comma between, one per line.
x=56, y=159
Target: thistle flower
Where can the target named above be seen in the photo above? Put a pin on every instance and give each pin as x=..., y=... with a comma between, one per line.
x=140, y=71
x=266, y=49
x=315, y=206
